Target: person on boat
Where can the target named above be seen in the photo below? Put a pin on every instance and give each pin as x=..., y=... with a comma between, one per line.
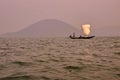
x=80, y=36
x=73, y=35
x=70, y=36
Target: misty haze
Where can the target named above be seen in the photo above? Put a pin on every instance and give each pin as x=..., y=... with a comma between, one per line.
x=59, y=39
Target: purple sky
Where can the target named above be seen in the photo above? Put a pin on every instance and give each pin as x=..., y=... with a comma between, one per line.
x=17, y=14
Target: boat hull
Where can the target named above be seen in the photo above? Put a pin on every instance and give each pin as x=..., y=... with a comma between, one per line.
x=81, y=37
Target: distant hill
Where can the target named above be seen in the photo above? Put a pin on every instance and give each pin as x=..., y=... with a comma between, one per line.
x=45, y=28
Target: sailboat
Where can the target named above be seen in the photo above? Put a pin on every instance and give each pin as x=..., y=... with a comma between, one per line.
x=86, y=28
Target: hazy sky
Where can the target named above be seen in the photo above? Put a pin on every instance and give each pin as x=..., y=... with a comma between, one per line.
x=17, y=14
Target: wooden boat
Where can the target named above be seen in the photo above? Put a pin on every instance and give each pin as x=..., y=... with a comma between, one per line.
x=86, y=32
x=81, y=37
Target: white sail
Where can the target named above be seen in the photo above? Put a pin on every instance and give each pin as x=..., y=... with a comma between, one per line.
x=86, y=29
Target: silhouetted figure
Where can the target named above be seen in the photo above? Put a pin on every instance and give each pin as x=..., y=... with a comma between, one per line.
x=70, y=36
x=73, y=35
x=80, y=36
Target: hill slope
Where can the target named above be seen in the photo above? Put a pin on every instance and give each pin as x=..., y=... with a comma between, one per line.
x=45, y=28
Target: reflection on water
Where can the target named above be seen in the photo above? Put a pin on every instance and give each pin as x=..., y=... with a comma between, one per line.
x=59, y=59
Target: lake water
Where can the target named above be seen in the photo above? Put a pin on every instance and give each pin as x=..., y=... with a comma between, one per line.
x=60, y=59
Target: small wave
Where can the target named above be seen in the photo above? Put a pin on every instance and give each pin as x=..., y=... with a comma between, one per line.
x=22, y=63
x=17, y=78
x=73, y=68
